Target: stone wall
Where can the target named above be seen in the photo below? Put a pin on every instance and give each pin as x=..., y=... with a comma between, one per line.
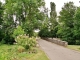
x=57, y=41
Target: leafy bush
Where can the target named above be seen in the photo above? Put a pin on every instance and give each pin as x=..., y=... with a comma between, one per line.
x=21, y=49
x=53, y=32
x=66, y=34
x=44, y=33
x=1, y=34
x=18, y=31
x=6, y=35
x=8, y=40
x=26, y=41
x=77, y=42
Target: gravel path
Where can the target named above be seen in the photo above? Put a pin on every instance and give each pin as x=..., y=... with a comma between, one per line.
x=56, y=52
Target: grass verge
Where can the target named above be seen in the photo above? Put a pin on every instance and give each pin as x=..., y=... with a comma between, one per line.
x=10, y=52
x=74, y=47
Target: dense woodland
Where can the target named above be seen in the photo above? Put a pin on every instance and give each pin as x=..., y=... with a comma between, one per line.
x=19, y=17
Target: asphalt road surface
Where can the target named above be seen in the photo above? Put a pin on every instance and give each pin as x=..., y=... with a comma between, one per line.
x=56, y=52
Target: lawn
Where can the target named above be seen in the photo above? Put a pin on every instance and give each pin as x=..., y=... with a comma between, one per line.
x=10, y=52
x=74, y=47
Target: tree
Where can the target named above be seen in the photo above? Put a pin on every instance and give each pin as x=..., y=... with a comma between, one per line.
x=49, y=26
x=66, y=21
x=53, y=16
x=67, y=14
x=77, y=25
x=45, y=22
x=34, y=16
x=1, y=12
x=18, y=31
x=44, y=29
x=53, y=20
x=26, y=13
x=1, y=20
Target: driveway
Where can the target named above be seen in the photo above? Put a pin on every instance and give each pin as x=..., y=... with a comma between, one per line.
x=56, y=52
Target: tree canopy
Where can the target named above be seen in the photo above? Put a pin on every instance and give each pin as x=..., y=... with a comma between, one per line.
x=25, y=13
x=66, y=22
x=25, y=16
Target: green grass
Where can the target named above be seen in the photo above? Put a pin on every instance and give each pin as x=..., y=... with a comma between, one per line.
x=74, y=47
x=10, y=52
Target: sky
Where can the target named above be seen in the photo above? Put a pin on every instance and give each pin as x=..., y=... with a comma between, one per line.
x=60, y=3
x=2, y=1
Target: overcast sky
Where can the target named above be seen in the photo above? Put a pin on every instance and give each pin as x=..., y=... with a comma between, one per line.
x=2, y=1
x=60, y=3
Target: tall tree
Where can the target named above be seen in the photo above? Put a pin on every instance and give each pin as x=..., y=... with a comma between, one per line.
x=45, y=22
x=53, y=20
x=44, y=29
x=67, y=14
x=50, y=24
x=1, y=20
x=66, y=18
x=53, y=16
x=1, y=12
x=26, y=13
x=77, y=25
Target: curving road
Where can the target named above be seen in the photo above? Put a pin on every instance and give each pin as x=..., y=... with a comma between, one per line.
x=56, y=52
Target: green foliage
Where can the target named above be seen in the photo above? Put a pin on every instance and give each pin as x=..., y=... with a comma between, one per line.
x=6, y=26
x=49, y=27
x=54, y=32
x=21, y=49
x=1, y=12
x=66, y=21
x=8, y=40
x=77, y=25
x=13, y=52
x=35, y=34
x=32, y=14
x=53, y=16
x=66, y=34
x=44, y=33
x=1, y=19
x=7, y=37
x=18, y=31
x=26, y=41
x=1, y=35
x=27, y=13
x=67, y=14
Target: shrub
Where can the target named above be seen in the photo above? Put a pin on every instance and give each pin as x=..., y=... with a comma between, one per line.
x=18, y=31
x=1, y=34
x=21, y=49
x=50, y=33
x=77, y=42
x=44, y=33
x=8, y=39
x=26, y=41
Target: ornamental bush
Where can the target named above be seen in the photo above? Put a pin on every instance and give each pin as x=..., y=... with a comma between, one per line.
x=18, y=31
x=25, y=41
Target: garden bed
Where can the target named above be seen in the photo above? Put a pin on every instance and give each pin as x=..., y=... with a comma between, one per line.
x=10, y=52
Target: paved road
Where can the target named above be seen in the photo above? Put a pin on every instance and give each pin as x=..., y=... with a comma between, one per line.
x=56, y=52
